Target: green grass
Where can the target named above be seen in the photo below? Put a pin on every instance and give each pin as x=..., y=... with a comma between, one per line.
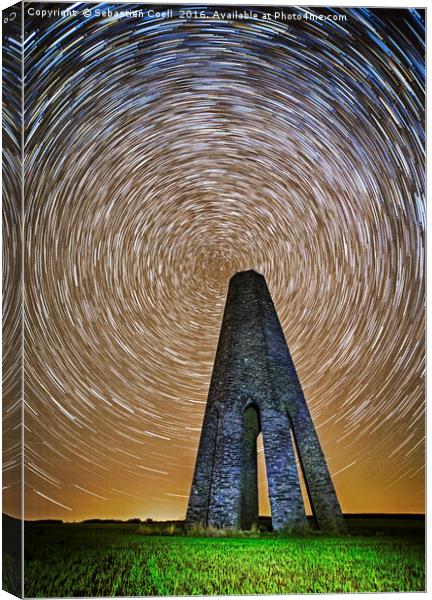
x=123, y=560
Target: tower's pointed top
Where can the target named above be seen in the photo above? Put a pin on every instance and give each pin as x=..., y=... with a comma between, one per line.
x=248, y=273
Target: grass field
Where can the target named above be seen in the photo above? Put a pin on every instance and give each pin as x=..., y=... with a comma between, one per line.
x=123, y=560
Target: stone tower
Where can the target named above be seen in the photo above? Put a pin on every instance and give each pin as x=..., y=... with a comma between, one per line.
x=254, y=387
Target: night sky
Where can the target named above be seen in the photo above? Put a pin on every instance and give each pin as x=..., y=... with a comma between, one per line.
x=163, y=156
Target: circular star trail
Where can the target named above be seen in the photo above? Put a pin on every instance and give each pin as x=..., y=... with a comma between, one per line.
x=163, y=156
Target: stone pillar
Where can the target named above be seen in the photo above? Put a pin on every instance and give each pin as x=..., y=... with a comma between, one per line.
x=224, y=503
x=322, y=495
x=200, y=493
x=285, y=496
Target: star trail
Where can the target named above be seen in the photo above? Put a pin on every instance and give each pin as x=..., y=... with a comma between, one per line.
x=163, y=155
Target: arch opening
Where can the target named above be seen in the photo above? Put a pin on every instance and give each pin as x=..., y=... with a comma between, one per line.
x=264, y=510
x=249, y=468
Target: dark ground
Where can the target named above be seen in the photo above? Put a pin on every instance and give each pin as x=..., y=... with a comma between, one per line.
x=109, y=558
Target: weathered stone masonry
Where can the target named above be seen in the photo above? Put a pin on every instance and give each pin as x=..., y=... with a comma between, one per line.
x=254, y=387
